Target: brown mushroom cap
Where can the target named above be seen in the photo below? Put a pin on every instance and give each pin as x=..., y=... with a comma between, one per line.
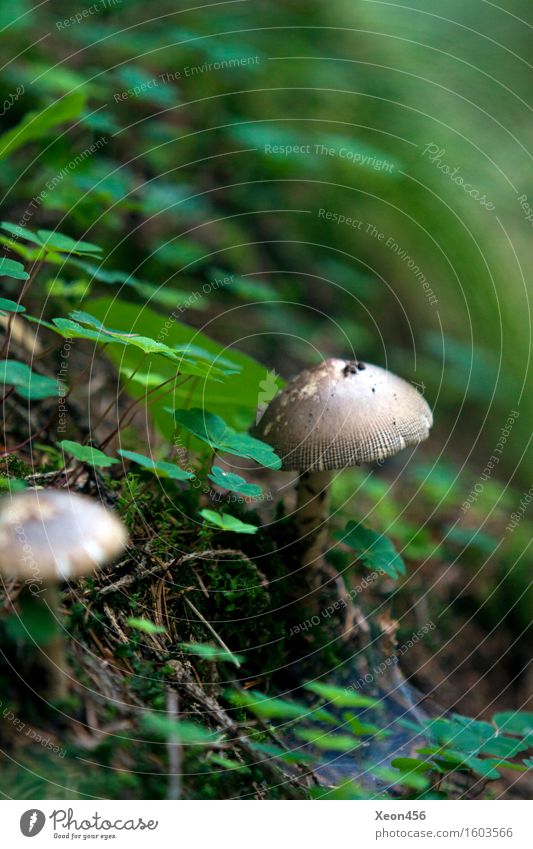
x=52, y=535
x=342, y=413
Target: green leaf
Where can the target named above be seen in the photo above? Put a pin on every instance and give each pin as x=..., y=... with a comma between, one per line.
x=344, y=791
x=184, y=364
x=227, y=763
x=373, y=549
x=327, y=741
x=208, y=652
x=269, y=707
x=158, y=467
x=340, y=696
x=485, y=767
x=145, y=626
x=28, y=384
x=414, y=780
x=234, y=483
x=54, y=241
x=87, y=454
x=286, y=756
x=35, y=125
x=217, y=434
x=12, y=268
x=183, y=731
x=364, y=729
x=514, y=722
x=72, y=330
x=20, y=232
x=411, y=765
x=504, y=747
x=227, y=523
x=235, y=398
x=469, y=736
x=10, y=306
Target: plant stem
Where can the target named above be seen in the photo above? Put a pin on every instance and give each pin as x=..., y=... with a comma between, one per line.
x=311, y=515
x=54, y=650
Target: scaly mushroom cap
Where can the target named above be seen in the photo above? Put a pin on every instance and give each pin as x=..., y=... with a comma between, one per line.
x=342, y=413
x=51, y=535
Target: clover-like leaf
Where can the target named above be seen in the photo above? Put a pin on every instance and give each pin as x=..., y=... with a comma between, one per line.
x=27, y=383
x=373, y=549
x=227, y=523
x=234, y=483
x=12, y=268
x=54, y=241
x=74, y=328
x=20, y=232
x=514, y=722
x=87, y=454
x=217, y=434
x=6, y=305
x=159, y=467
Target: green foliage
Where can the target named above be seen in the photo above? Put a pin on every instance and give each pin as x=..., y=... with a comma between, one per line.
x=464, y=743
x=145, y=626
x=6, y=305
x=184, y=360
x=329, y=742
x=214, y=431
x=234, y=483
x=227, y=523
x=519, y=723
x=39, y=124
x=206, y=651
x=340, y=696
x=234, y=397
x=27, y=383
x=12, y=268
x=374, y=550
x=159, y=467
x=87, y=454
x=269, y=707
x=183, y=731
x=174, y=214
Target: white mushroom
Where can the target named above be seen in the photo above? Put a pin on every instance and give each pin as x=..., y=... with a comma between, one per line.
x=338, y=414
x=49, y=536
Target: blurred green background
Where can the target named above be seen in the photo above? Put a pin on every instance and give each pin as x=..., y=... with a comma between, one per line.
x=184, y=108
x=361, y=173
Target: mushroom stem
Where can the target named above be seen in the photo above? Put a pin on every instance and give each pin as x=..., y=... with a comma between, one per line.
x=54, y=650
x=311, y=516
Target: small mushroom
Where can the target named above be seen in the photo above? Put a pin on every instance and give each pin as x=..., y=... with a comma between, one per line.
x=50, y=536
x=338, y=414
